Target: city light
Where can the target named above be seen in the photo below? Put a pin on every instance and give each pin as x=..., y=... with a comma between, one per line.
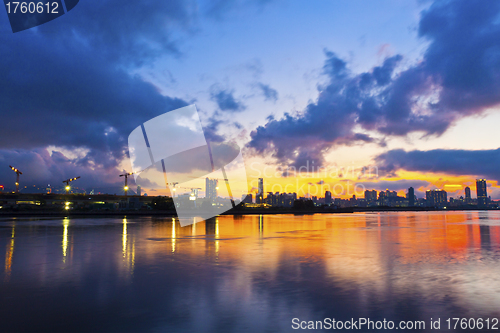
x=125, y=188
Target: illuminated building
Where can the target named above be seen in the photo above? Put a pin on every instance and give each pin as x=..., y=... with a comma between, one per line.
x=370, y=196
x=211, y=189
x=260, y=193
x=436, y=198
x=482, y=195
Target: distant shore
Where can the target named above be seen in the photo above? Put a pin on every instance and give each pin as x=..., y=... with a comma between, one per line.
x=235, y=212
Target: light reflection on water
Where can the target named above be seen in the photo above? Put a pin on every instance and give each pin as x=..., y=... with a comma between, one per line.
x=247, y=273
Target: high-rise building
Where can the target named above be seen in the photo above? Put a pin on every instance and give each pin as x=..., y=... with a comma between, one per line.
x=467, y=195
x=211, y=189
x=411, y=197
x=436, y=198
x=481, y=191
x=328, y=197
x=260, y=193
x=370, y=196
x=139, y=190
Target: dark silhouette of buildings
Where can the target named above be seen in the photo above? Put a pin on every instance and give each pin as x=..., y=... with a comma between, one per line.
x=328, y=197
x=411, y=197
x=247, y=198
x=468, y=198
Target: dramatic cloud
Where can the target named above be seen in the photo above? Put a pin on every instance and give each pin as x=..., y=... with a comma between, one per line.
x=269, y=93
x=67, y=83
x=331, y=119
x=477, y=163
x=225, y=100
x=396, y=185
x=458, y=76
x=41, y=167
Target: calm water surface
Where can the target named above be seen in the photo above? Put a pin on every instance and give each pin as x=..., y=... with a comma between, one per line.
x=247, y=274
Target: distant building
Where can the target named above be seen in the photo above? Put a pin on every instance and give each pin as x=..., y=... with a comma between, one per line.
x=391, y=194
x=482, y=195
x=211, y=189
x=370, y=196
x=247, y=198
x=139, y=190
x=436, y=198
x=468, y=198
x=260, y=193
x=328, y=197
x=411, y=197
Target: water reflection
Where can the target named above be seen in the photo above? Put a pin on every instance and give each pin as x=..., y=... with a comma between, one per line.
x=9, y=253
x=124, y=238
x=65, y=238
x=252, y=273
x=173, y=236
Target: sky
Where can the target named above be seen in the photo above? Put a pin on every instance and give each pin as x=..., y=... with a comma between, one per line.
x=376, y=94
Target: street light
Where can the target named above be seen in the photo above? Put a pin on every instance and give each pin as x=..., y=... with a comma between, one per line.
x=17, y=178
x=67, y=181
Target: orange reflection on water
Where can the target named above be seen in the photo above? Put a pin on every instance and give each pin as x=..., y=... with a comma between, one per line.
x=8, y=255
x=266, y=239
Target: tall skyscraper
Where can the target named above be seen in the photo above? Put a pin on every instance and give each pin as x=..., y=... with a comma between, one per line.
x=411, y=197
x=260, y=193
x=211, y=189
x=139, y=190
x=467, y=195
x=482, y=194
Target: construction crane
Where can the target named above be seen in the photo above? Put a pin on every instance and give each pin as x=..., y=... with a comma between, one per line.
x=125, y=188
x=67, y=181
x=173, y=184
x=17, y=178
